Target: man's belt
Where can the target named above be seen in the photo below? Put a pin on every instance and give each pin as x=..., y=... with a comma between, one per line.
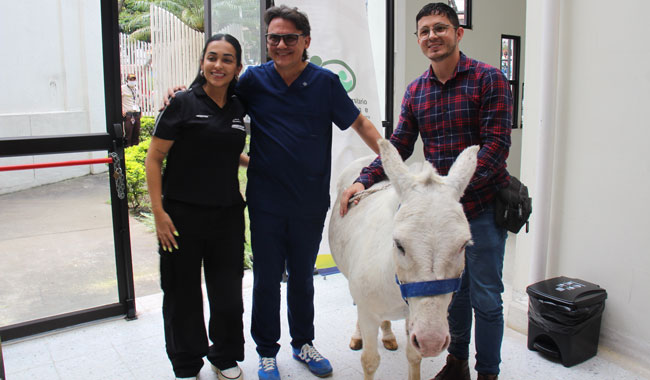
x=133, y=113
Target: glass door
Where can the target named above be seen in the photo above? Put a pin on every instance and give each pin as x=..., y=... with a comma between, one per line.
x=65, y=253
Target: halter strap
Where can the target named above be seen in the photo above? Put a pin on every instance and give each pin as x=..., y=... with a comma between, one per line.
x=428, y=288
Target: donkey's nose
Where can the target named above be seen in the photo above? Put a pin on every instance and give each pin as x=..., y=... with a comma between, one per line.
x=430, y=344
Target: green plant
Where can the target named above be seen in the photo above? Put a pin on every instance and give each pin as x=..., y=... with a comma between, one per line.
x=147, y=123
x=136, y=178
x=248, y=251
x=134, y=17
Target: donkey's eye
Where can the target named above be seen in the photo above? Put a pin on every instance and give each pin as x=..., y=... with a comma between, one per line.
x=399, y=247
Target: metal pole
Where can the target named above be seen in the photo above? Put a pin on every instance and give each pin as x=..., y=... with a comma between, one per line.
x=111, y=57
x=113, y=99
x=2, y=363
x=390, y=67
x=264, y=5
x=207, y=19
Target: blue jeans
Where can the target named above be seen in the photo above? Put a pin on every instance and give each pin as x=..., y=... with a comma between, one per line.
x=480, y=290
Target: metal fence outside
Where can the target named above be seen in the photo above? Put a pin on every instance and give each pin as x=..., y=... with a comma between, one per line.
x=171, y=59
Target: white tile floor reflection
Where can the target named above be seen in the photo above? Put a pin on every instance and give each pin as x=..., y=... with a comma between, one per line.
x=130, y=350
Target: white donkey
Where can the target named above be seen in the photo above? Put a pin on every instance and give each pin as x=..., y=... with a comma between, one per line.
x=414, y=232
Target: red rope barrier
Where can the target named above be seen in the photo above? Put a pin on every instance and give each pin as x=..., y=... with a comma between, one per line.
x=106, y=160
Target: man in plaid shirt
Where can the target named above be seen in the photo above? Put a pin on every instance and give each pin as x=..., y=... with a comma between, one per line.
x=456, y=103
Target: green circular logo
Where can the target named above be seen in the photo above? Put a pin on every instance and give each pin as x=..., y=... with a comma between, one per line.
x=345, y=73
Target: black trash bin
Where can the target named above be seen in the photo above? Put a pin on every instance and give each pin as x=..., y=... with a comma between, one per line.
x=564, y=318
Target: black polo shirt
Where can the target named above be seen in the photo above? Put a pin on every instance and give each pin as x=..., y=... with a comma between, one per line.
x=203, y=163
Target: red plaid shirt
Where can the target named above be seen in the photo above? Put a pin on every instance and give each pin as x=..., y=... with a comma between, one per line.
x=473, y=107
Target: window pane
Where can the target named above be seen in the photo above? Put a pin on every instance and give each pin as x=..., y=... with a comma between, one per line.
x=461, y=7
x=53, y=84
x=510, y=67
x=240, y=18
x=507, y=57
x=56, y=247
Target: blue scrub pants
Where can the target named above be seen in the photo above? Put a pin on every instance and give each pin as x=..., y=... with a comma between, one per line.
x=480, y=290
x=277, y=240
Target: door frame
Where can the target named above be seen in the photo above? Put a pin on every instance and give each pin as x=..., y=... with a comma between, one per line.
x=113, y=143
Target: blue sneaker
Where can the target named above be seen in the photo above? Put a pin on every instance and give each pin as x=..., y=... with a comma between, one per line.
x=268, y=369
x=317, y=364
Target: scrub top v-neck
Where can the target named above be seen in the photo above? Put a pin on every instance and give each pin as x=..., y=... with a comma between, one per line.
x=291, y=137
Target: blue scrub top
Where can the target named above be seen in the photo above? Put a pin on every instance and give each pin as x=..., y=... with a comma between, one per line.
x=291, y=137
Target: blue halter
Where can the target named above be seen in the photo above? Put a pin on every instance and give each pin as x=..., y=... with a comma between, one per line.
x=428, y=288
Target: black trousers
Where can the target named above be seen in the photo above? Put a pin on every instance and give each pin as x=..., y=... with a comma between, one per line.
x=132, y=128
x=213, y=236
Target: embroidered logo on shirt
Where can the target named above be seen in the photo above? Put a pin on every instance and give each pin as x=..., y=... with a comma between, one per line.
x=238, y=124
x=203, y=116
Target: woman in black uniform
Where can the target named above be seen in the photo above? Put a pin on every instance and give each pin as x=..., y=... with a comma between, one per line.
x=199, y=215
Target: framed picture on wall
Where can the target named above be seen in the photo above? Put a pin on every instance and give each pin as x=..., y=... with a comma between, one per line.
x=510, y=56
x=464, y=10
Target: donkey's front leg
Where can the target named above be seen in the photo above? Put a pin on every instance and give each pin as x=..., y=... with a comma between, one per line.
x=413, y=356
x=369, y=326
x=387, y=336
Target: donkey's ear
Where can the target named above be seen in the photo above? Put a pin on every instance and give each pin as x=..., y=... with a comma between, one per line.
x=462, y=170
x=395, y=168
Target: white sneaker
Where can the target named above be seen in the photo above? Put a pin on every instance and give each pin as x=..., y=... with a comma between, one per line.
x=232, y=373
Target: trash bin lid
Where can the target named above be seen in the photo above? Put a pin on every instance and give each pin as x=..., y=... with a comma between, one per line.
x=571, y=292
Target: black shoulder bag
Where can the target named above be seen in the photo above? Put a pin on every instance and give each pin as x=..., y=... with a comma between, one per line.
x=513, y=206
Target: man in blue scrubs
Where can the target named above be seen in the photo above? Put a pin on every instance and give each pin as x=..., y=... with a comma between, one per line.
x=292, y=104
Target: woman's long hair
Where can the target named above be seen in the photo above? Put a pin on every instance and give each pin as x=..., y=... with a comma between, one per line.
x=200, y=78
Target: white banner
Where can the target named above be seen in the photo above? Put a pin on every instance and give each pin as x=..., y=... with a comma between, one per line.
x=340, y=42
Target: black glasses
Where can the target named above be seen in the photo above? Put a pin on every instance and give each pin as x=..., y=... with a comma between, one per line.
x=290, y=39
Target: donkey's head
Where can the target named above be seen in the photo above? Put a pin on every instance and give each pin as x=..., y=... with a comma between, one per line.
x=429, y=236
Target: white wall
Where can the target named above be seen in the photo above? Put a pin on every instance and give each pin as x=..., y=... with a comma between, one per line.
x=601, y=176
x=377, y=26
x=490, y=19
x=52, y=76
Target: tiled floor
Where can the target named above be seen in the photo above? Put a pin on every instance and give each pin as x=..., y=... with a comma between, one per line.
x=128, y=350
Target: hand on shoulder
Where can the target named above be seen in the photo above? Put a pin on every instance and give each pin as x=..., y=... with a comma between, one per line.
x=171, y=94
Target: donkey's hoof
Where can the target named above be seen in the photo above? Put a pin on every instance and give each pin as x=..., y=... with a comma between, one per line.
x=390, y=344
x=356, y=344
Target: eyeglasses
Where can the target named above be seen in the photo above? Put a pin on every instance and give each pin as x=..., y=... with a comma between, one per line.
x=439, y=30
x=290, y=39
